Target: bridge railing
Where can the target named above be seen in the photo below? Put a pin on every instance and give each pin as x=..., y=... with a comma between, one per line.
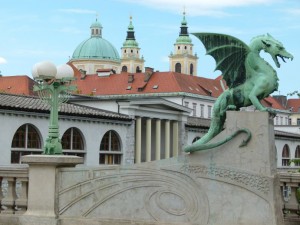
x=13, y=189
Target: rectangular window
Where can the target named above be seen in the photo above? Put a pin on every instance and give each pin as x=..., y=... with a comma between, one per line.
x=209, y=111
x=186, y=104
x=201, y=110
x=290, y=121
x=281, y=120
x=298, y=121
x=285, y=162
x=276, y=121
x=194, y=109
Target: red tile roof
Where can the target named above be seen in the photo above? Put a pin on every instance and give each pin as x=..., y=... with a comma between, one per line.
x=17, y=85
x=272, y=102
x=159, y=82
x=142, y=83
x=294, y=105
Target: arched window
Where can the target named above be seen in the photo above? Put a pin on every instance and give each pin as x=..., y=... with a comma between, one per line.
x=110, y=149
x=26, y=141
x=297, y=156
x=178, y=67
x=196, y=139
x=138, y=70
x=72, y=142
x=285, y=155
x=124, y=68
x=191, y=69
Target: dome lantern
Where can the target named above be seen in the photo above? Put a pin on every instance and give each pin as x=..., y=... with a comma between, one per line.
x=96, y=29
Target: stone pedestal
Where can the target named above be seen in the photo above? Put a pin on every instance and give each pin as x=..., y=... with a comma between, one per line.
x=227, y=185
x=42, y=193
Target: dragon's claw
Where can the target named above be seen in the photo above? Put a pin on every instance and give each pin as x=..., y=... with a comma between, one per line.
x=272, y=112
x=231, y=107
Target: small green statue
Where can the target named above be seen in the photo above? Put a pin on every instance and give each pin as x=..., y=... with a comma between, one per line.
x=248, y=76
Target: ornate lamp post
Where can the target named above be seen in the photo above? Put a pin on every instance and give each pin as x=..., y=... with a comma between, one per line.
x=53, y=87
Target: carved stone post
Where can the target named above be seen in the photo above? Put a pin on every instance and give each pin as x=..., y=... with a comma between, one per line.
x=7, y=200
x=42, y=190
x=21, y=195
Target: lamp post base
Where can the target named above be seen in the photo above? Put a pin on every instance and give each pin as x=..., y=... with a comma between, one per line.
x=53, y=146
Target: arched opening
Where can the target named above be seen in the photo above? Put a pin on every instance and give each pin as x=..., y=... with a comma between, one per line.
x=72, y=142
x=110, y=149
x=191, y=69
x=124, y=68
x=285, y=155
x=178, y=68
x=297, y=156
x=138, y=70
x=26, y=141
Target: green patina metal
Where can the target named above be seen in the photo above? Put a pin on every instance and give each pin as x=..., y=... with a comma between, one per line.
x=130, y=41
x=96, y=47
x=183, y=35
x=54, y=92
x=249, y=78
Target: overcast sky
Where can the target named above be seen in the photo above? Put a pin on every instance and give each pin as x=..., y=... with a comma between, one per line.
x=35, y=30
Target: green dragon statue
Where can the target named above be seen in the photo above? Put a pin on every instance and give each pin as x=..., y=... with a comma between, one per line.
x=248, y=76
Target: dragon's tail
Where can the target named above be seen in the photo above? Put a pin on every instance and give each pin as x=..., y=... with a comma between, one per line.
x=217, y=121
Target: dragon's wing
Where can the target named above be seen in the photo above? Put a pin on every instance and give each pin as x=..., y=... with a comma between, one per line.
x=230, y=54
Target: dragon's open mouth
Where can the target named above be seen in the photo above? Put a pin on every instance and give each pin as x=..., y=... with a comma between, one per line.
x=282, y=58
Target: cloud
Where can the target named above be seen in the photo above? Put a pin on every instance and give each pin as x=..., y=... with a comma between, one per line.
x=294, y=12
x=2, y=60
x=200, y=7
x=78, y=11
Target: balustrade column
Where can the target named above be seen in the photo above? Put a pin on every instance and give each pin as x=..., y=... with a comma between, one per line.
x=167, y=139
x=6, y=195
x=157, y=139
x=138, y=139
x=175, y=138
x=148, y=140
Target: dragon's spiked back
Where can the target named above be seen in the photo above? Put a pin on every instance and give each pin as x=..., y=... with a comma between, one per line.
x=230, y=54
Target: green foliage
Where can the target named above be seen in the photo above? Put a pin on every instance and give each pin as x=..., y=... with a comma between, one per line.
x=298, y=194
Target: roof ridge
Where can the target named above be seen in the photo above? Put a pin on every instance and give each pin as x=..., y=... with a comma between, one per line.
x=19, y=95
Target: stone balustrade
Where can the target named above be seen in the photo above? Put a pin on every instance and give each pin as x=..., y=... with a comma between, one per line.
x=13, y=189
x=14, y=192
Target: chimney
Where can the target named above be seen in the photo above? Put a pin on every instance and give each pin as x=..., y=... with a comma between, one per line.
x=148, y=73
x=130, y=78
x=282, y=99
x=149, y=70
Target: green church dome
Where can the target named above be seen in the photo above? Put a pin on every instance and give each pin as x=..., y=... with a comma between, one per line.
x=96, y=47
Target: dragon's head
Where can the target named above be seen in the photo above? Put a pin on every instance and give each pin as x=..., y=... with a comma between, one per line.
x=275, y=49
